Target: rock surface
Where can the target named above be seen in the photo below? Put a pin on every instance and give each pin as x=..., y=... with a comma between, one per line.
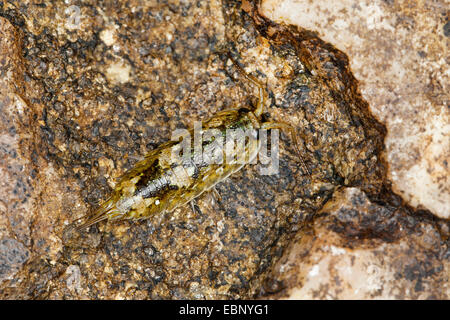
x=13, y=255
x=360, y=250
x=398, y=51
x=87, y=91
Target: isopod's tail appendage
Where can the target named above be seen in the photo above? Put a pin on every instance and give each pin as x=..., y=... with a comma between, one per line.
x=107, y=210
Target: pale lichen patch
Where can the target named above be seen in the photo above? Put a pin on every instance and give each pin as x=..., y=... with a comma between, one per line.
x=118, y=72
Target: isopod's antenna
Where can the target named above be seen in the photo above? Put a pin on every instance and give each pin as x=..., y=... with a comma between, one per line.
x=261, y=88
x=293, y=134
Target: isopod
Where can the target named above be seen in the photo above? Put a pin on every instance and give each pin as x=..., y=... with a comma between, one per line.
x=160, y=184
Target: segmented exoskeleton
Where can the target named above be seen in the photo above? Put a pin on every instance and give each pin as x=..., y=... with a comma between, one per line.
x=160, y=183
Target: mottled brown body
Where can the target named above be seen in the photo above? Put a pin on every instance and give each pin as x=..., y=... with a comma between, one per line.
x=162, y=183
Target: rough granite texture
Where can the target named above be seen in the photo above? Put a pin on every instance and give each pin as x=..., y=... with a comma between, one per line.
x=357, y=249
x=398, y=51
x=82, y=101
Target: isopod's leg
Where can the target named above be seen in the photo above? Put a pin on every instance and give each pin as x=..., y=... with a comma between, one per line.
x=195, y=208
x=193, y=205
x=217, y=195
x=284, y=126
x=216, y=198
x=261, y=88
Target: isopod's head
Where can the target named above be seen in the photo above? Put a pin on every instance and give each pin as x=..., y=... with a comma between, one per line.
x=240, y=118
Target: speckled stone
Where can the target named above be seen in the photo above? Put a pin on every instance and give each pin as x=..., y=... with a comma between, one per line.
x=361, y=250
x=398, y=51
x=13, y=255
